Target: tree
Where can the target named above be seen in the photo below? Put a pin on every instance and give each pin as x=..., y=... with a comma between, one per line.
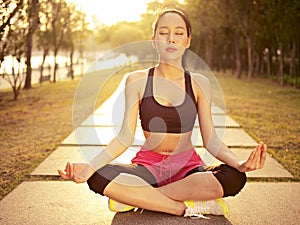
x=75, y=33
x=246, y=15
x=284, y=31
x=17, y=51
x=43, y=35
x=60, y=17
x=125, y=33
x=12, y=41
x=8, y=12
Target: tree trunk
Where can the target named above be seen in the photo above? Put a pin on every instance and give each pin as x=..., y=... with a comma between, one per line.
x=257, y=64
x=55, y=67
x=209, y=50
x=268, y=61
x=45, y=53
x=71, y=71
x=33, y=24
x=280, y=64
x=28, y=64
x=238, y=59
x=293, y=62
x=249, y=54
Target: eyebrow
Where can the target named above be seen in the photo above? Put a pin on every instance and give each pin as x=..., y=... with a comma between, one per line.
x=166, y=27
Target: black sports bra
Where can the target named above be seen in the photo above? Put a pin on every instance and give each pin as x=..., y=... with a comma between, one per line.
x=167, y=119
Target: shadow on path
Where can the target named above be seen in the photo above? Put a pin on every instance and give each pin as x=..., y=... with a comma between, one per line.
x=155, y=218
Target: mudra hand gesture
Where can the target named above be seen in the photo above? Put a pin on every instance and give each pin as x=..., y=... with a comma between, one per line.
x=256, y=159
x=77, y=172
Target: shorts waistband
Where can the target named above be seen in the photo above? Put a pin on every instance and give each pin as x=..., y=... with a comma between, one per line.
x=159, y=156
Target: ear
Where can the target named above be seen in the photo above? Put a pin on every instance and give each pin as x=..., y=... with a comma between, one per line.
x=153, y=42
x=189, y=41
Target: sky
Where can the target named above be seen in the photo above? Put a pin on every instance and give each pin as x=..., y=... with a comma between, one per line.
x=110, y=12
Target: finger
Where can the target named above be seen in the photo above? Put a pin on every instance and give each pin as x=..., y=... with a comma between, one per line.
x=63, y=175
x=71, y=171
x=257, y=158
x=259, y=151
x=253, y=159
x=247, y=164
x=68, y=169
x=263, y=156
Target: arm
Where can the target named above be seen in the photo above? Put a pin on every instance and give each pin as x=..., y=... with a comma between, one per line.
x=80, y=172
x=126, y=135
x=210, y=139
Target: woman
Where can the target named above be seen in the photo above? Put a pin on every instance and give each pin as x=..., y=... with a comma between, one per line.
x=167, y=175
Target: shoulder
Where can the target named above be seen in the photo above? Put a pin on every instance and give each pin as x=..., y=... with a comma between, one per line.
x=137, y=76
x=201, y=85
x=135, y=82
x=199, y=79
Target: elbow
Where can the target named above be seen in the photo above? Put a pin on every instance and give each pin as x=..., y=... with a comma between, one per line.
x=125, y=140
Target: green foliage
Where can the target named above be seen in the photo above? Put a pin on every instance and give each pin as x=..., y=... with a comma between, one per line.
x=266, y=24
x=61, y=25
x=125, y=33
x=13, y=34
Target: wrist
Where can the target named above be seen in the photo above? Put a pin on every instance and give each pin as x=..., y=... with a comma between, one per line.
x=240, y=166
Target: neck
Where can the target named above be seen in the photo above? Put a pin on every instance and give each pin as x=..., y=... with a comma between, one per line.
x=169, y=70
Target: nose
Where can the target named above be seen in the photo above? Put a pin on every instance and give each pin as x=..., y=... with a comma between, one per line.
x=171, y=39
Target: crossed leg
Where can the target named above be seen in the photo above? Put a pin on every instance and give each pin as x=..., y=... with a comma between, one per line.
x=133, y=190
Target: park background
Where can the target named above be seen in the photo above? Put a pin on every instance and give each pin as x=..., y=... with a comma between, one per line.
x=46, y=47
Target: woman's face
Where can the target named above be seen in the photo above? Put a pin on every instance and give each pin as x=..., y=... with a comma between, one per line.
x=171, y=36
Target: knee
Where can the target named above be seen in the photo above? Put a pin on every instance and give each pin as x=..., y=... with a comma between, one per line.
x=100, y=179
x=219, y=190
x=94, y=183
x=98, y=182
x=238, y=183
x=231, y=179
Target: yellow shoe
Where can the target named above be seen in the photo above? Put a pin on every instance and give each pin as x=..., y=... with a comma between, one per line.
x=116, y=206
x=197, y=209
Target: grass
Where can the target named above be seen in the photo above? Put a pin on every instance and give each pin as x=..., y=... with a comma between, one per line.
x=267, y=112
x=32, y=127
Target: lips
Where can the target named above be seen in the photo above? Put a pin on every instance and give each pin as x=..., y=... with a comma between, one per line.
x=171, y=49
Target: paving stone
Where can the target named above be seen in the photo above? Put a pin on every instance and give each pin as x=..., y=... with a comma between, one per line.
x=99, y=136
x=58, y=159
x=43, y=203
x=266, y=203
x=271, y=169
x=54, y=202
x=97, y=120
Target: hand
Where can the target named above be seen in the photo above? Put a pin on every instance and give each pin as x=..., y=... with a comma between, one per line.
x=256, y=159
x=77, y=172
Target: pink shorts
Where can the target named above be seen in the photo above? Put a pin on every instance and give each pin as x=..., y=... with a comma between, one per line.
x=168, y=168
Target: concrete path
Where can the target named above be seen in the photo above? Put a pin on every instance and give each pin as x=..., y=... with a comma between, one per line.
x=60, y=202
x=54, y=202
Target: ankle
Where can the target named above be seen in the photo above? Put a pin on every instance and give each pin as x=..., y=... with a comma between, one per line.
x=180, y=209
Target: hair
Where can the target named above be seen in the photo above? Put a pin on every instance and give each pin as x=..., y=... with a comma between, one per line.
x=172, y=9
